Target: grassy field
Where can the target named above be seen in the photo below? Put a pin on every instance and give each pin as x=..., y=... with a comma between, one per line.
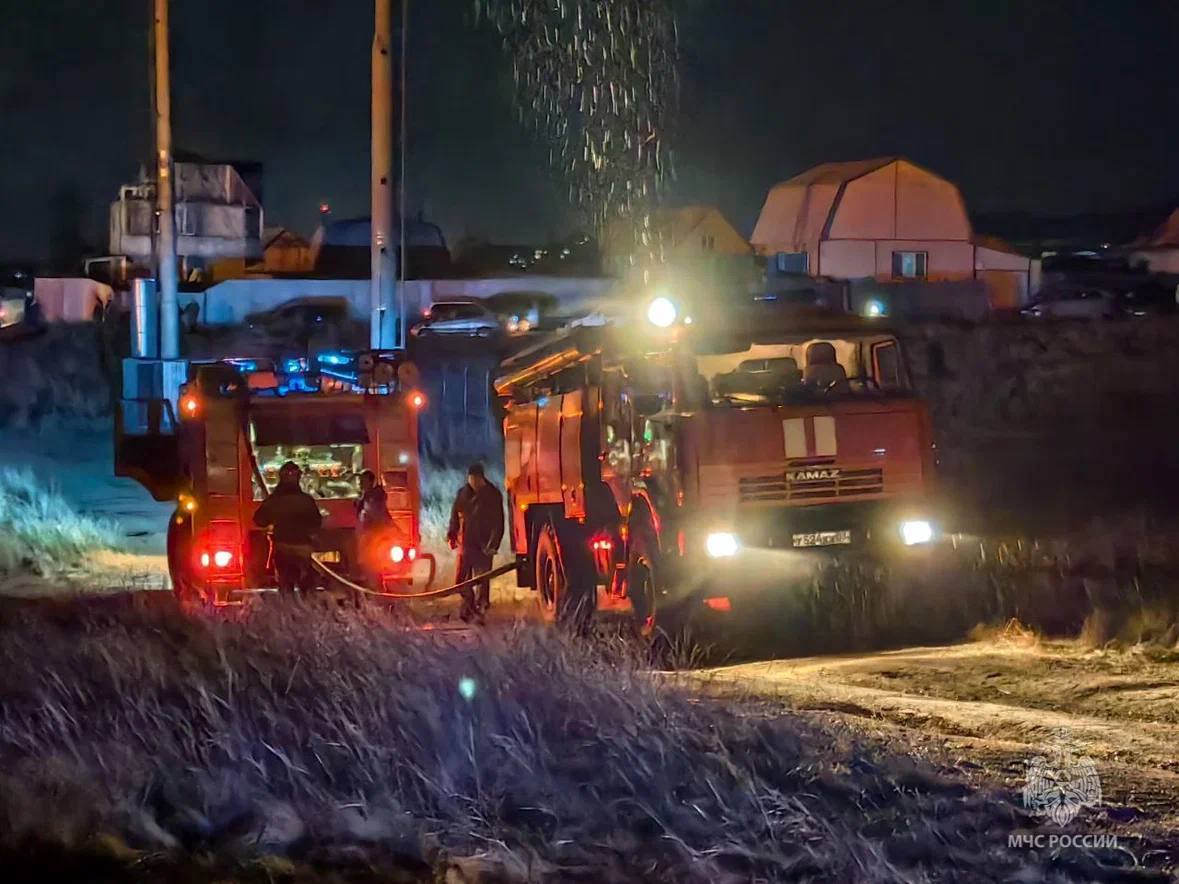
x=297, y=743
x=40, y=533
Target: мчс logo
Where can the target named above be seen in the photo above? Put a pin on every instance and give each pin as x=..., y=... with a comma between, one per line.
x=1060, y=784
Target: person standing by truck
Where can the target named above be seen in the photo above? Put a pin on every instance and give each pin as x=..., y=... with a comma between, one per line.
x=293, y=517
x=476, y=529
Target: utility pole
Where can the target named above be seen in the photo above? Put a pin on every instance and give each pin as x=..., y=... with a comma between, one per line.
x=384, y=313
x=166, y=235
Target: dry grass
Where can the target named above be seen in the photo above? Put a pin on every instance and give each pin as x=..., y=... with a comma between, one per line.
x=339, y=740
x=40, y=533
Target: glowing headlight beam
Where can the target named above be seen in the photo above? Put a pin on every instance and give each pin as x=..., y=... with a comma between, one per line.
x=661, y=312
x=721, y=545
x=915, y=532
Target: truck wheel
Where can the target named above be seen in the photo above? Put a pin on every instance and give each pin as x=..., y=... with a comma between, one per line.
x=560, y=594
x=179, y=546
x=642, y=581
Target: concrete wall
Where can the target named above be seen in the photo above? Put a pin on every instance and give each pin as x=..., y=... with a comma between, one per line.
x=229, y=302
x=1158, y=260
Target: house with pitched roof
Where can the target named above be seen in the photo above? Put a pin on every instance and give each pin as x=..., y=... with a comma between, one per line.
x=887, y=220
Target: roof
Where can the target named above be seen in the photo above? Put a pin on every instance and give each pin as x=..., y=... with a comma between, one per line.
x=800, y=212
x=837, y=173
x=1165, y=236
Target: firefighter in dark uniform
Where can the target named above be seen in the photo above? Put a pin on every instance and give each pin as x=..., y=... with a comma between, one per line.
x=294, y=518
x=372, y=528
x=476, y=529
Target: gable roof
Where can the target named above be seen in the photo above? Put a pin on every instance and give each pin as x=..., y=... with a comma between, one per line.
x=837, y=173
x=1166, y=235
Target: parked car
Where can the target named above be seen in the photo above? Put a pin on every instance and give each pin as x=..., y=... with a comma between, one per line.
x=1152, y=298
x=301, y=316
x=20, y=314
x=523, y=311
x=1081, y=303
x=458, y=318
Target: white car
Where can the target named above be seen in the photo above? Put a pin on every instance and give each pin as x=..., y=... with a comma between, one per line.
x=458, y=318
x=1075, y=304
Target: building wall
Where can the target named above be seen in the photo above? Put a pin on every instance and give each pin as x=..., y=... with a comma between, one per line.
x=1158, y=260
x=857, y=259
x=229, y=302
x=725, y=239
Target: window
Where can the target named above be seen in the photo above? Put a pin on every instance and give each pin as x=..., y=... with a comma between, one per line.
x=888, y=365
x=708, y=243
x=187, y=220
x=790, y=262
x=909, y=265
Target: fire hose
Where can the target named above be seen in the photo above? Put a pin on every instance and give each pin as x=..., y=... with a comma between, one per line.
x=341, y=579
x=430, y=594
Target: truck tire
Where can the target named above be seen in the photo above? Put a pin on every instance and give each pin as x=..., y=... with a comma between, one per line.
x=561, y=593
x=642, y=580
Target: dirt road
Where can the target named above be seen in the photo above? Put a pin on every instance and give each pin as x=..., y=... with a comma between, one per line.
x=986, y=709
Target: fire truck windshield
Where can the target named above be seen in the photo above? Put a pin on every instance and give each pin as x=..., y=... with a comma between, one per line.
x=329, y=448
x=802, y=370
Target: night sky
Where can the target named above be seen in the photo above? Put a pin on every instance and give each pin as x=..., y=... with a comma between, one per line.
x=1043, y=106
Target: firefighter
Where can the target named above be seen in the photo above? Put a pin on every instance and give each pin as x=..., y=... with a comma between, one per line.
x=293, y=516
x=372, y=510
x=372, y=525
x=476, y=529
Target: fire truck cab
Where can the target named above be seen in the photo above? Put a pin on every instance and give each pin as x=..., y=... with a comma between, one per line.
x=236, y=421
x=653, y=468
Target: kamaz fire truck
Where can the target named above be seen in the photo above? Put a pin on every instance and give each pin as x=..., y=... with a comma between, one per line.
x=660, y=466
x=218, y=450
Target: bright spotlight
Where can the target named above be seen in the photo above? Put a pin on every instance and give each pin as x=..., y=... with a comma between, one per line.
x=661, y=312
x=916, y=532
x=721, y=545
x=874, y=308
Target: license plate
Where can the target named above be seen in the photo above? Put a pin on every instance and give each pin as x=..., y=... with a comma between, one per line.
x=332, y=555
x=822, y=538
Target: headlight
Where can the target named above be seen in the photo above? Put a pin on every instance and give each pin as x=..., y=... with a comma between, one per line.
x=661, y=312
x=721, y=545
x=915, y=532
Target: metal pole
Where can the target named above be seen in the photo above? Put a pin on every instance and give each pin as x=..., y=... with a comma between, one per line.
x=403, y=150
x=166, y=236
x=381, y=246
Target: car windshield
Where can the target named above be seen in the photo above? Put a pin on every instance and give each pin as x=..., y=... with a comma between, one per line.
x=803, y=370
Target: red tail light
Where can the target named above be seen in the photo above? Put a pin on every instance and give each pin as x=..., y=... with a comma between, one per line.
x=719, y=603
x=218, y=559
x=399, y=554
x=218, y=549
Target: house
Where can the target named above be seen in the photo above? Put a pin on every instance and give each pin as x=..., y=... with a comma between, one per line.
x=703, y=255
x=218, y=214
x=690, y=234
x=1159, y=251
x=284, y=252
x=341, y=248
x=887, y=220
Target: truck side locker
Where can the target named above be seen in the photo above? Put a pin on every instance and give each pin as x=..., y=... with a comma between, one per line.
x=515, y=426
x=573, y=476
x=548, y=451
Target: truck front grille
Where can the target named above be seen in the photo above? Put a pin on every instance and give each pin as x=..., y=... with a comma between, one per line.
x=782, y=487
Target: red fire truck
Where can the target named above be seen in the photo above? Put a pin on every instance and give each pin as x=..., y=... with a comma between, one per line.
x=660, y=466
x=238, y=421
